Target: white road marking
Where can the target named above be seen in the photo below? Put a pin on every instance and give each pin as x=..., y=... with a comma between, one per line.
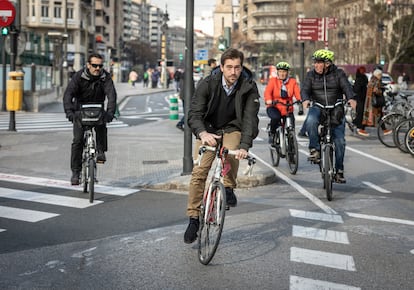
x=325, y=259
x=298, y=187
x=332, y=218
x=381, y=160
x=412, y=251
x=26, y=215
x=320, y=234
x=301, y=283
x=379, y=218
x=47, y=198
x=376, y=187
x=119, y=191
x=2, y=230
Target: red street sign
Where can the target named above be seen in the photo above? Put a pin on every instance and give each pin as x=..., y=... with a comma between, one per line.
x=332, y=23
x=310, y=29
x=7, y=13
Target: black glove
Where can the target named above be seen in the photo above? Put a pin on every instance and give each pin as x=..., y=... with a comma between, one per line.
x=300, y=112
x=70, y=116
x=109, y=117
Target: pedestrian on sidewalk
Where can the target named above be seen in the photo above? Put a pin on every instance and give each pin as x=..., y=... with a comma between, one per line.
x=360, y=89
x=145, y=79
x=133, y=77
x=225, y=105
x=90, y=85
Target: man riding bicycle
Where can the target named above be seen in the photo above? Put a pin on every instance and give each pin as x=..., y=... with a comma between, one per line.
x=326, y=84
x=89, y=85
x=282, y=89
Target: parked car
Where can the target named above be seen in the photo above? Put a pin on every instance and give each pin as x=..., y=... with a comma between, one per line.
x=387, y=81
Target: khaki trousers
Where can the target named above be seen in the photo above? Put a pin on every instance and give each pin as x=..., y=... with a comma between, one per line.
x=200, y=172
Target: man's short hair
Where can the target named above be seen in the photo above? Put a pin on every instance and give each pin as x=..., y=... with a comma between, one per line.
x=211, y=61
x=95, y=55
x=232, y=53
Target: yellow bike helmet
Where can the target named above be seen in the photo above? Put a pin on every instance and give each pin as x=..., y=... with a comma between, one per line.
x=283, y=65
x=323, y=55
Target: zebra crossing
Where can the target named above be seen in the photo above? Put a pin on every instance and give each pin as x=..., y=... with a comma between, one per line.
x=34, y=197
x=320, y=258
x=39, y=122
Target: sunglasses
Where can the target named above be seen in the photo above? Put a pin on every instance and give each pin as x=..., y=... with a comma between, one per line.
x=95, y=65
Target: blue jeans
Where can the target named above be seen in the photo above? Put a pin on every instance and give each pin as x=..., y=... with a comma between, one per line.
x=338, y=134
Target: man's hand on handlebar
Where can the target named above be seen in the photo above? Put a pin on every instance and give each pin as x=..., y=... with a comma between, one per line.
x=306, y=104
x=208, y=138
x=241, y=154
x=353, y=103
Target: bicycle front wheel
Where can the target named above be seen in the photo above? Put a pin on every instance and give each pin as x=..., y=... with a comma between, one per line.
x=91, y=179
x=385, y=125
x=211, y=222
x=409, y=141
x=85, y=176
x=399, y=133
x=292, y=152
x=328, y=171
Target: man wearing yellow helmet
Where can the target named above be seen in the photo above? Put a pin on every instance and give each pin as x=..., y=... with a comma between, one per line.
x=281, y=89
x=326, y=84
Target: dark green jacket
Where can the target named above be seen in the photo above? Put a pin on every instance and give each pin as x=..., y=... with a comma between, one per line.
x=247, y=105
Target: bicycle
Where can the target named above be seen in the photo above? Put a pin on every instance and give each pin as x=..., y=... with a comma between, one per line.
x=289, y=147
x=409, y=141
x=91, y=116
x=327, y=145
x=212, y=211
x=400, y=132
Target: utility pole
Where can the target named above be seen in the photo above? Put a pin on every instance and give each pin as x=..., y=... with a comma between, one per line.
x=164, y=29
x=188, y=85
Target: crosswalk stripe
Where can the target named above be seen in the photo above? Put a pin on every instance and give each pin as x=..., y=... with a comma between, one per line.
x=118, y=191
x=47, y=198
x=320, y=234
x=333, y=218
x=325, y=259
x=2, y=230
x=26, y=215
x=300, y=283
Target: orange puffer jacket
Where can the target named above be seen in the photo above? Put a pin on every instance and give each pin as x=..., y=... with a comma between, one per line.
x=272, y=93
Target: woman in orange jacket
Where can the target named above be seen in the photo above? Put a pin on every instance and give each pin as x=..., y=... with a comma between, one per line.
x=281, y=89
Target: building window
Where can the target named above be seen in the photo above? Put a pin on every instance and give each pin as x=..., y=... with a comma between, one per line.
x=45, y=8
x=70, y=12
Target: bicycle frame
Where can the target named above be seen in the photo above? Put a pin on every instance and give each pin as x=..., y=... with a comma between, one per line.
x=89, y=161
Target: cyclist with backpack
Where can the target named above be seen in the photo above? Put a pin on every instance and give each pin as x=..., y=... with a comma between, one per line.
x=326, y=84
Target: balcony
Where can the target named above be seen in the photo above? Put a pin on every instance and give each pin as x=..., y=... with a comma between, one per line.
x=270, y=1
x=261, y=13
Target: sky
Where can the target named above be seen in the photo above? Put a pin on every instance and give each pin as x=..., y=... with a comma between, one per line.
x=203, y=13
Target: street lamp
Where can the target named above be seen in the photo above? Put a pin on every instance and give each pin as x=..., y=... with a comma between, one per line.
x=164, y=28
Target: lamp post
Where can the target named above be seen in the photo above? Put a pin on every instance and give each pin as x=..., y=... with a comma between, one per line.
x=164, y=28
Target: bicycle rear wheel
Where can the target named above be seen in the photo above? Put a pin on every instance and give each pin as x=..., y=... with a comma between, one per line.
x=292, y=152
x=211, y=222
x=388, y=122
x=399, y=133
x=91, y=179
x=328, y=171
x=409, y=141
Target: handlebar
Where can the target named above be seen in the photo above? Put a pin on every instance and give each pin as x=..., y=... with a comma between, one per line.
x=286, y=104
x=338, y=102
x=223, y=153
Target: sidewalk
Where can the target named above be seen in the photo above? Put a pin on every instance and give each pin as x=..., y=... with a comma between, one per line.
x=139, y=156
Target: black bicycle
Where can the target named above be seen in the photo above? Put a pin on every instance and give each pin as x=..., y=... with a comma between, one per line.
x=91, y=116
x=284, y=143
x=327, y=145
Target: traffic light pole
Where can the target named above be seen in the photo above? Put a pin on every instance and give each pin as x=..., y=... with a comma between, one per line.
x=13, y=52
x=188, y=86
x=3, y=60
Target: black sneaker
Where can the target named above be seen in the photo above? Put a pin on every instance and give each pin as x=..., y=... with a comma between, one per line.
x=190, y=234
x=180, y=127
x=231, y=197
x=101, y=158
x=339, y=177
x=271, y=138
x=314, y=156
x=303, y=134
x=74, y=180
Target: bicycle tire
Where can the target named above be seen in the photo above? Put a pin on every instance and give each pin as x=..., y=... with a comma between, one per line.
x=388, y=122
x=292, y=152
x=399, y=133
x=328, y=168
x=85, y=176
x=211, y=222
x=409, y=141
x=274, y=156
x=91, y=179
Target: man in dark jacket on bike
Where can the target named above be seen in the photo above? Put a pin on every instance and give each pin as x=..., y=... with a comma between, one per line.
x=326, y=84
x=90, y=85
x=225, y=105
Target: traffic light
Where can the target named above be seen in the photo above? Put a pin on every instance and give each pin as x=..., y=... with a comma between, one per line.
x=4, y=31
x=222, y=43
x=180, y=56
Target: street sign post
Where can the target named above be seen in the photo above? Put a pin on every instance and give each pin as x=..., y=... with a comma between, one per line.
x=7, y=13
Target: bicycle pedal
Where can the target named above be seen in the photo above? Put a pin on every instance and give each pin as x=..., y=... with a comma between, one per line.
x=227, y=207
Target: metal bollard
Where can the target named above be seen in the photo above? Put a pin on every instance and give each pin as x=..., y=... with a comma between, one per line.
x=173, y=107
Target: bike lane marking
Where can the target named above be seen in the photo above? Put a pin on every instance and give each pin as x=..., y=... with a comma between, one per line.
x=300, y=283
x=320, y=234
x=376, y=187
x=45, y=198
x=119, y=191
x=26, y=215
x=379, y=218
x=302, y=190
